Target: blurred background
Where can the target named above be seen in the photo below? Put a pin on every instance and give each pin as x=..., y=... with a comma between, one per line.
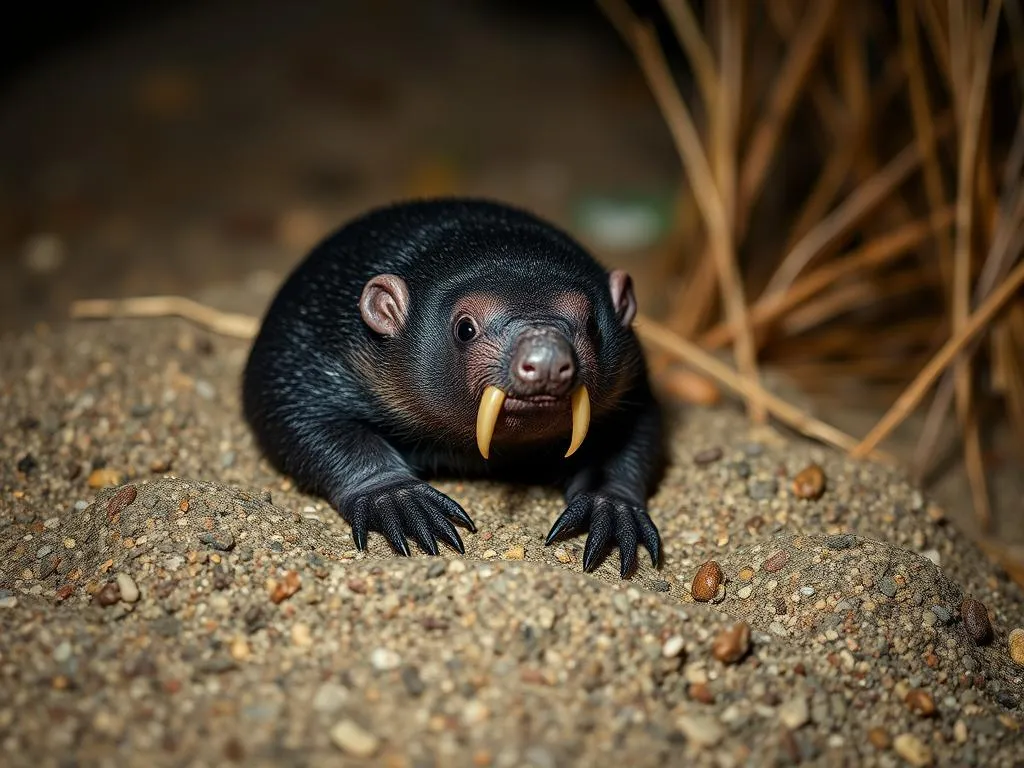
x=854, y=192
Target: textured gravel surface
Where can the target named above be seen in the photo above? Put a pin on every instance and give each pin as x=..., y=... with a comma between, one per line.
x=166, y=598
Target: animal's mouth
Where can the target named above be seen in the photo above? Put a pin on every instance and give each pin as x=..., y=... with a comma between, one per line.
x=494, y=399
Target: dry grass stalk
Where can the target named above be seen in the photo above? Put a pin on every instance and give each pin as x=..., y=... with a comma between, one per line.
x=913, y=395
x=643, y=41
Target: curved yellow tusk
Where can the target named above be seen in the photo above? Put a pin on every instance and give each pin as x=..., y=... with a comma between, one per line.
x=486, y=417
x=580, y=419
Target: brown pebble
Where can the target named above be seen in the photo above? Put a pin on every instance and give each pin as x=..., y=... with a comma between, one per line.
x=121, y=500
x=745, y=574
x=701, y=693
x=775, y=563
x=1016, y=643
x=108, y=594
x=732, y=644
x=706, y=581
x=707, y=456
x=809, y=483
x=919, y=701
x=879, y=738
x=104, y=478
x=158, y=466
x=976, y=621
x=282, y=590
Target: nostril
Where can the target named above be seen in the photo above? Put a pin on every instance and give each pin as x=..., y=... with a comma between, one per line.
x=527, y=368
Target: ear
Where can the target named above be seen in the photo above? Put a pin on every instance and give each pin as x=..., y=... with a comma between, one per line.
x=621, y=286
x=384, y=304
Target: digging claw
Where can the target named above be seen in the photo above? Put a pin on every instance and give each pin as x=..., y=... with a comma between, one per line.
x=410, y=509
x=611, y=522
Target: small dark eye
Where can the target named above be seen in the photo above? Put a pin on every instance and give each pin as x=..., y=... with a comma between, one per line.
x=465, y=329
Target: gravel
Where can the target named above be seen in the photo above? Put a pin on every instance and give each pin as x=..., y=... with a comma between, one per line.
x=137, y=637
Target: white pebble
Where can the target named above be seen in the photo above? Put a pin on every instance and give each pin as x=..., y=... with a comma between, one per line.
x=700, y=731
x=354, y=739
x=129, y=590
x=384, y=659
x=794, y=713
x=672, y=647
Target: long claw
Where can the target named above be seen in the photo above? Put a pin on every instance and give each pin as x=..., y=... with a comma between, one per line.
x=424, y=537
x=598, y=539
x=454, y=510
x=447, y=533
x=625, y=534
x=572, y=519
x=650, y=537
x=360, y=518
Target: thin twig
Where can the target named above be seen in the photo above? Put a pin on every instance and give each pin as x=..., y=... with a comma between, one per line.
x=224, y=323
x=652, y=61
x=974, y=102
x=803, y=52
x=661, y=337
x=687, y=29
x=873, y=254
x=924, y=126
x=859, y=204
x=913, y=394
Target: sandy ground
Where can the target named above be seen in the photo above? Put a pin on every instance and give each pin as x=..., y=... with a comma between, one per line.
x=214, y=614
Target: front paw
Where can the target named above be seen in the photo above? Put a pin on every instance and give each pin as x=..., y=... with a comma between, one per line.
x=611, y=521
x=407, y=509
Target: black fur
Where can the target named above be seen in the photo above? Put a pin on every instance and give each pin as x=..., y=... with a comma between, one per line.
x=359, y=418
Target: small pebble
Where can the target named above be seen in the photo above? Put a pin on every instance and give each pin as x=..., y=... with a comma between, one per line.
x=104, y=478
x=700, y=692
x=129, y=590
x=744, y=592
x=920, y=702
x=412, y=681
x=809, y=483
x=660, y=585
x=108, y=594
x=841, y=541
x=700, y=731
x=222, y=541
x=776, y=562
x=10, y=601
x=1007, y=699
x=879, y=738
x=887, y=587
x=353, y=739
x=707, y=456
x=794, y=713
x=121, y=501
x=62, y=652
x=672, y=647
x=436, y=569
x=1016, y=643
x=942, y=613
x=515, y=553
x=976, y=621
x=759, y=490
x=732, y=644
x=385, y=659
x=302, y=636
x=912, y=749
x=706, y=581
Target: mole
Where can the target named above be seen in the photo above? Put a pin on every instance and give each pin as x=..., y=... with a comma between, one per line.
x=462, y=338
